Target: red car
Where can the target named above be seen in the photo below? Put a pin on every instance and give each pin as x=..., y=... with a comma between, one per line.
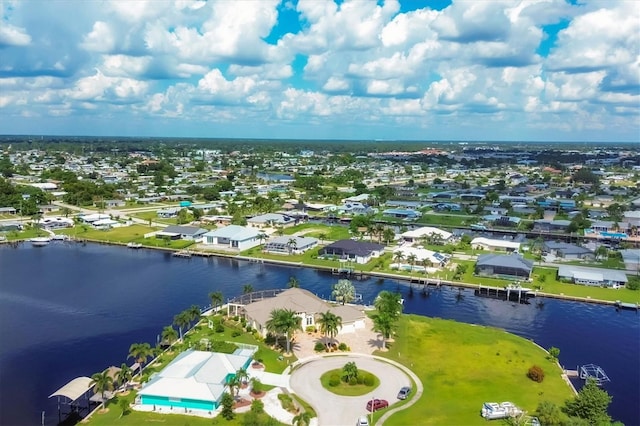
x=377, y=404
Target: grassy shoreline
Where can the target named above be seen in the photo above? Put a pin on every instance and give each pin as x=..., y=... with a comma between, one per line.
x=545, y=283
x=462, y=365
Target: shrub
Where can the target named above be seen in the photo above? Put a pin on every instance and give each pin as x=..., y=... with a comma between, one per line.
x=343, y=346
x=236, y=333
x=334, y=380
x=536, y=374
x=633, y=283
x=353, y=381
x=360, y=379
x=257, y=406
x=310, y=329
x=368, y=380
x=554, y=352
x=219, y=328
x=249, y=329
x=319, y=347
x=286, y=401
x=236, y=318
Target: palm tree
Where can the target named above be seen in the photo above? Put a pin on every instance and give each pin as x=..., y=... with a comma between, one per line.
x=234, y=383
x=289, y=323
x=292, y=244
x=193, y=313
x=242, y=376
x=262, y=237
x=169, y=335
x=293, y=282
x=383, y=323
x=216, y=299
x=330, y=323
x=101, y=383
x=302, y=419
x=322, y=237
x=124, y=375
x=412, y=258
x=248, y=288
x=181, y=320
x=390, y=303
x=140, y=352
x=273, y=324
x=398, y=256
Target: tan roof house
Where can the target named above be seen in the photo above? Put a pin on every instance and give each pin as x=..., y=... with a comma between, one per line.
x=307, y=306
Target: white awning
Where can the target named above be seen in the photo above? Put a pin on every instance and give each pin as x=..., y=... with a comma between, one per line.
x=74, y=389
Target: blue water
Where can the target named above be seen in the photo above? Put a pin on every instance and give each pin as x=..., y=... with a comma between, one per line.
x=69, y=310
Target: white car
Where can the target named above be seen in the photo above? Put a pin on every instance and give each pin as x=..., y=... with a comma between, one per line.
x=362, y=421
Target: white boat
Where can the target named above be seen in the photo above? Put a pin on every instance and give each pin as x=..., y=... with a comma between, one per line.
x=493, y=410
x=60, y=237
x=40, y=241
x=134, y=245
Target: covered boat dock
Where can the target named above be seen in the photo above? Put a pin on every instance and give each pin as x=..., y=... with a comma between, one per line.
x=71, y=395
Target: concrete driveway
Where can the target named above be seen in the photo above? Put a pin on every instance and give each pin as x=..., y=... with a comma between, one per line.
x=335, y=410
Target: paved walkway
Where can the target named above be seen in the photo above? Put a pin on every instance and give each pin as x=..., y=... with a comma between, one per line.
x=335, y=410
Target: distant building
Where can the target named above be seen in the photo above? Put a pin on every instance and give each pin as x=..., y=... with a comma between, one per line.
x=178, y=232
x=568, y=251
x=271, y=219
x=358, y=251
x=234, y=237
x=592, y=276
x=290, y=244
x=481, y=243
x=502, y=265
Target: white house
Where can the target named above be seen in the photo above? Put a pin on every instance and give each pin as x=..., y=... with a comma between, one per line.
x=425, y=231
x=194, y=380
x=434, y=258
x=271, y=219
x=592, y=276
x=290, y=244
x=481, y=243
x=233, y=236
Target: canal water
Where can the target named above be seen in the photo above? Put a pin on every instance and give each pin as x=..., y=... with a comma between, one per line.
x=69, y=310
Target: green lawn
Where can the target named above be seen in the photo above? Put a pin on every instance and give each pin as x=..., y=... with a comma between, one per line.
x=331, y=233
x=124, y=235
x=461, y=366
x=446, y=220
x=27, y=233
x=153, y=216
x=346, y=389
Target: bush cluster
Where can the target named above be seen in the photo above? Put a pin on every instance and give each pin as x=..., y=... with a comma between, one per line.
x=536, y=374
x=319, y=347
x=334, y=380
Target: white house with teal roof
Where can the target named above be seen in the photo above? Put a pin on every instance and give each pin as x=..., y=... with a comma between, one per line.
x=194, y=380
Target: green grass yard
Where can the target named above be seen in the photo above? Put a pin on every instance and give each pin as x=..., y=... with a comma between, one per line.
x=461, y=366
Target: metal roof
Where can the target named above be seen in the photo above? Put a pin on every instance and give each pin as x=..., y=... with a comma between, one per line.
x=74, y=389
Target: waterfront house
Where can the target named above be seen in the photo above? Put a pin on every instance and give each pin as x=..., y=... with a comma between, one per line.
x=194, y=380
x=290, y=244
x=546, y=225
x=427, y=232
x=503, y=266
x=568, y=251
x=482, y=243
x=358, y=251
x=307, y=306
x=592, y=276
x=271, y=219
x=181, y=232
x=234, y=237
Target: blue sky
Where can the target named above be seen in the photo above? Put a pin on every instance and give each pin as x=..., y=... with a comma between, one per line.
x=488, y=70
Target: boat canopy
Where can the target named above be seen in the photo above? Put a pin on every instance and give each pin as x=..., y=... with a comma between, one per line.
x=74, y=389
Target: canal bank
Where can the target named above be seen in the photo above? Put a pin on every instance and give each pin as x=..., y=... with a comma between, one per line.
x=68, y=310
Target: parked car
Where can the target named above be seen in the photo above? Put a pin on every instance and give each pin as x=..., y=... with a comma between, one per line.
x=377, y=404
x=404, y=392
x=362, y=421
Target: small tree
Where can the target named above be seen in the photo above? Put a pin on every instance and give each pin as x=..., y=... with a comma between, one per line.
x=302, y=419
x=257, y=406
x=554, y=353
x=549, y=414
x=343, y=291
x=227, y=406
x=590, y=404
x=349, y=371
x=536, y=373
x=124, y=406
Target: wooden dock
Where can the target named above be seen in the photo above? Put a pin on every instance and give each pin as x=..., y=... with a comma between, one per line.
x=508, y=293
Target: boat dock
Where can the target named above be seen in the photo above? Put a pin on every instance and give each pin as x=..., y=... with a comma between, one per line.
x=625, y=305
x=182, y=253
x=588, y=371
x=511, y=292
